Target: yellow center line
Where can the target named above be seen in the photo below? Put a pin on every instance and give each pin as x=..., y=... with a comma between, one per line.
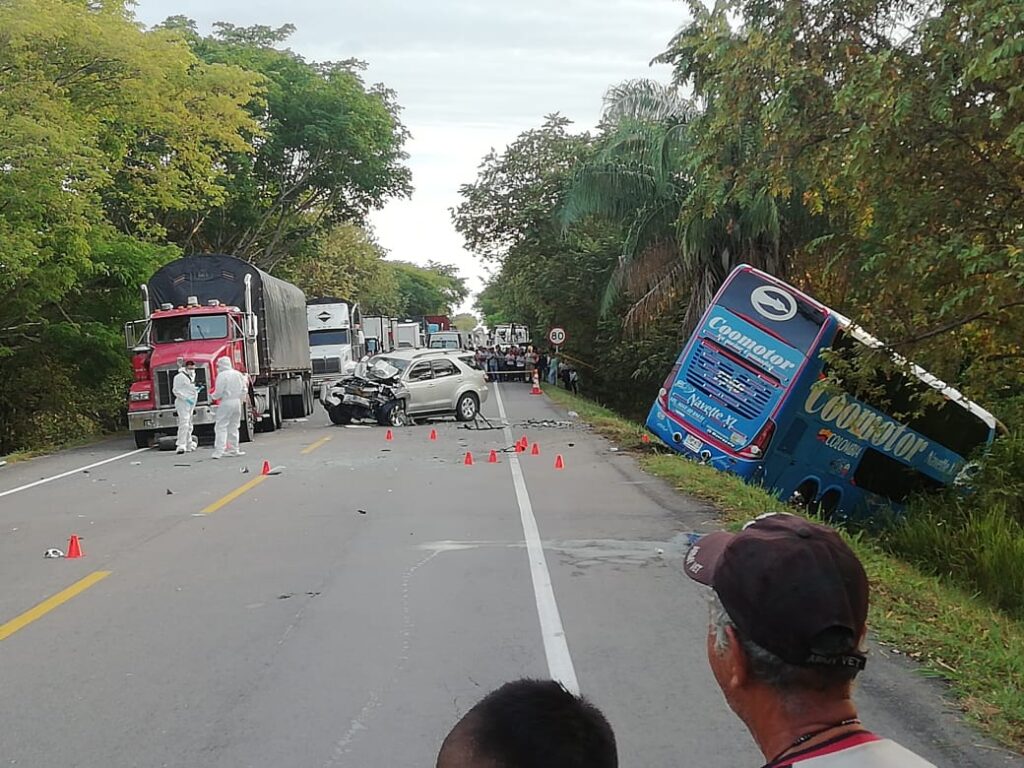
x=233, y=495
x=22, y=621
x=314, y=446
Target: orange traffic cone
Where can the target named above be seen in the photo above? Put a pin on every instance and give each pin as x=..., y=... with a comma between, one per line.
x=493, y=458
x=519, y=447
x=433, y=434
x=644, y=438
x=266, y=468
x=74, y=548
x=536, y=449
x=468, y=461
x=559, y=463
x=525, y=441
x=536, y=385
x=389, y=435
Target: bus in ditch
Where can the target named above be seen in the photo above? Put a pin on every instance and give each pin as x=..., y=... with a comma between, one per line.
x=750, y=394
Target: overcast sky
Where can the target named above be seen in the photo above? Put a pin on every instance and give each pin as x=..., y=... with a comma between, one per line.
x=470, y=75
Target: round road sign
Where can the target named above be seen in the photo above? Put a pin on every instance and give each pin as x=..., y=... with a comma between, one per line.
x=557, y=336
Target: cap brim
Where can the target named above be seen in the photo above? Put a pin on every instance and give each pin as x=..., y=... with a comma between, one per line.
x=704, y=555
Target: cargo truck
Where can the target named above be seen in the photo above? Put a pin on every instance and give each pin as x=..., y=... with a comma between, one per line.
x=205, y=307
x=335, y=337
x=378, y=334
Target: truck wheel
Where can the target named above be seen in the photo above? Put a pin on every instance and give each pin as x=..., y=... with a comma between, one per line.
x=272, y=419
x=340, y=415
x=467, y=407
x=392, y=414
x=142, y=439
x=248, y=426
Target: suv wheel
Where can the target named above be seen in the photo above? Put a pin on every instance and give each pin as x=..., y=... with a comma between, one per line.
x=392, y=414
x=467, y=407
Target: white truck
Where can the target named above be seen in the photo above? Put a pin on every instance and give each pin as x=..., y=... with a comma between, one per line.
x=448, y=340
x=408, y=335
x=335, y=337
x=511, y=333
x=378, y=333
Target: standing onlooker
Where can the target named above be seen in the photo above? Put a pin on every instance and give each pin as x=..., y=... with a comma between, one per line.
x=553, y=364
x=510, y=362
x=786, y=640
x=531, y=364
x=542, y=366
x=520, y=364
x=574, y=381
x=531, y=724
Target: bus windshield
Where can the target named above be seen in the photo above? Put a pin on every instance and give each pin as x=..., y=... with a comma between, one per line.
x=783, y=314
x=168, y=330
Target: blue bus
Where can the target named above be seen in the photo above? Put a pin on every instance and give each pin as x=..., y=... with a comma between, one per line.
x=747, y=395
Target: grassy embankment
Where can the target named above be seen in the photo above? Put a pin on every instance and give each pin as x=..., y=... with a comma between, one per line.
x=954, y=635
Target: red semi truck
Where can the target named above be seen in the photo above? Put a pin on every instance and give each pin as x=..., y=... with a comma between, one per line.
x=213, y=306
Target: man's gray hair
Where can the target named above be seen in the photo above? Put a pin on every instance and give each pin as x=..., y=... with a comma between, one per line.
x=768, y=668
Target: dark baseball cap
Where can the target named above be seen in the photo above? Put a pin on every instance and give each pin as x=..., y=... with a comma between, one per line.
x=787, y=584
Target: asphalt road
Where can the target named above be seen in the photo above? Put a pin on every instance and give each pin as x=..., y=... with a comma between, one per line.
x=348, y=610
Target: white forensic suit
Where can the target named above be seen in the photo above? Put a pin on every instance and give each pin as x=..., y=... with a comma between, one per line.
x=230, y=389
x=185, y=394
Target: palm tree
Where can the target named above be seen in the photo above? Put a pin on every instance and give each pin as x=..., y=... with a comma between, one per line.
x=688, y=223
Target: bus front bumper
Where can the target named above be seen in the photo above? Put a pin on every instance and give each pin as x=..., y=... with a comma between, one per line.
x=692, y=445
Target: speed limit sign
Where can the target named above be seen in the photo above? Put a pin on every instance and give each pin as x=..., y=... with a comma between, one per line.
x=557, y=336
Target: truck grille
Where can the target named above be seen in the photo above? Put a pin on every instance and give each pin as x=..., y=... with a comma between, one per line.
x=327, y=365
x=729, y=382
x=165, y=380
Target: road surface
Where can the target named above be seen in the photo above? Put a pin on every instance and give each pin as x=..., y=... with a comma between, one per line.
x=349, y=609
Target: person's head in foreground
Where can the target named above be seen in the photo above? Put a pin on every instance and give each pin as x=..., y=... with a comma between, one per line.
x=530, y=724
x=789, y=604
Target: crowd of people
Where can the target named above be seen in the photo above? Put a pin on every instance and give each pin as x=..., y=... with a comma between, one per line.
x=786, y=639
x=513, y=362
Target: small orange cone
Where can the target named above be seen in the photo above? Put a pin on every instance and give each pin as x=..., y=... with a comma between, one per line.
x=644, y=438
x=433, y=434
x=389, y=435
x=74, y=548
x=519, y=448
x=525, y=441
x=493, y=458
x=536, y=449
x=468, y=461
x=559, y=463
x=266, y=468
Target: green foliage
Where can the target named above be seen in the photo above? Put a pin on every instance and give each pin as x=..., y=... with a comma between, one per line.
x=976, y=540
x=330, y=148
x=435, y=289
x=465, y=321
x=345, y=262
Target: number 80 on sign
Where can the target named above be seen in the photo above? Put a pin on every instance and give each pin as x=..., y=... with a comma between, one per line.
x=557, y=336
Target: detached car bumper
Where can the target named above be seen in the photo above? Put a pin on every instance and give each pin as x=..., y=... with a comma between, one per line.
x=167, y=418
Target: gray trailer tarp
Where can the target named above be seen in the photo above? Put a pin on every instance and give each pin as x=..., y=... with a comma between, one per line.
x=283, y=342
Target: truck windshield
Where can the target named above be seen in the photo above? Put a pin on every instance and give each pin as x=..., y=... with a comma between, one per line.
x=324, y=338
x=171, y=329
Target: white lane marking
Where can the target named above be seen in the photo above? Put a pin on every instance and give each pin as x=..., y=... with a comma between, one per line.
x=556, y=648
x=71, y=472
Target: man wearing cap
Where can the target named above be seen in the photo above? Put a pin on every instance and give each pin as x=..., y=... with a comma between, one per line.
x=789, y=604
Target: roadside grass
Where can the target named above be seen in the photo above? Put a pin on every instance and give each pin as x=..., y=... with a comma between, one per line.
x=46, y=450
x=956, y=637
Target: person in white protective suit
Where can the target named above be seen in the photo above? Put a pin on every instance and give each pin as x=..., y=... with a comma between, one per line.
x=229, y=388
x=185, y=395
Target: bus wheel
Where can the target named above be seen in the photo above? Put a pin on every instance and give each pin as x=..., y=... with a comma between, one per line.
x=805, y=494
x=829, y=504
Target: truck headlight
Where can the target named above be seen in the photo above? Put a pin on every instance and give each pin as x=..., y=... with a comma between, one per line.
x=142, y=397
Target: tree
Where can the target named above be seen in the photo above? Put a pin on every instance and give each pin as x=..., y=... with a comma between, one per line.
x=465, y=321
x=432, y=290
x=899, y=125
x=329, y=149
x=103, y=127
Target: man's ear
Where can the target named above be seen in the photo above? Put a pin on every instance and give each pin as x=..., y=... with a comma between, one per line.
x=738, y=666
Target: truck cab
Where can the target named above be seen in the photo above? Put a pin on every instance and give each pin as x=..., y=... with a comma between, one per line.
x=160, y=343
x=335, y=337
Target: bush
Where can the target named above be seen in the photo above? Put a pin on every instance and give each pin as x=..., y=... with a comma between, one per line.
x=975, y=540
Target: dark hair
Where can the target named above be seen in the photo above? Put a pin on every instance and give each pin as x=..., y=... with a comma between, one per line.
x=539, y=724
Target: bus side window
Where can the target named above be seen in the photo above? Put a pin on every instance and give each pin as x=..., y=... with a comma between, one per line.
x=891, y=479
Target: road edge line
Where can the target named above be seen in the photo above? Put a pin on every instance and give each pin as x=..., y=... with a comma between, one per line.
x=70, y=472
x=556, y=647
